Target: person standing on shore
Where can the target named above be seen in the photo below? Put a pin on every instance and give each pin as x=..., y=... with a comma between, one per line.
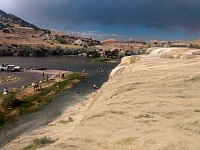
x=5, y=91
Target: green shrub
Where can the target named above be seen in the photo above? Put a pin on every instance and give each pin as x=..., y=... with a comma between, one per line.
x=56, y=51
x=6, y=51
x=6, y=31
x=24, y=50
x=28, y=107
x=10, y=101
x=42, y=141
x=37, y=143
x=62, y=40
x=2, y=26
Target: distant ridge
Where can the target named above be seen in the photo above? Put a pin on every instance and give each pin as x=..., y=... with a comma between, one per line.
x=114, y=41
x=110, y=41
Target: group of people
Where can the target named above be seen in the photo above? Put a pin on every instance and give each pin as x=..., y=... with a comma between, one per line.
x=94, y=85
x=61, y=75
x=101, y=70
x=37, y=86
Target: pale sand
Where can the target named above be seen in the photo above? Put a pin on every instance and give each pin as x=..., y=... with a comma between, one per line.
x=152, y=104
x=50, y=72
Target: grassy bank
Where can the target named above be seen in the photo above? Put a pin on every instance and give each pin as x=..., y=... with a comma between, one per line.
x=24, y=101
x=103, y=59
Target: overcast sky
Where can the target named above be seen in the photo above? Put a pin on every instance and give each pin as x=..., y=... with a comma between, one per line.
x=118, y=19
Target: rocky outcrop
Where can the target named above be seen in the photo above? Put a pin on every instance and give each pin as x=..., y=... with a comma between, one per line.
x=155, y=53
x=66, y=39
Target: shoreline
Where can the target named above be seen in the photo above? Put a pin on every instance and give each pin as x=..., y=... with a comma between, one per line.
x=57, y=126
x=52, y=72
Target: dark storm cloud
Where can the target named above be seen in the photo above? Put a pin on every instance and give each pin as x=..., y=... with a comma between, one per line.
x=161, y=14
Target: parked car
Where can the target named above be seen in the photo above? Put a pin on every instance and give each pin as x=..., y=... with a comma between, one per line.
x=7, y=67
x=36, y=68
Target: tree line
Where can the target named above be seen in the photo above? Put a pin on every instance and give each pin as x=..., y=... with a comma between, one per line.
x=27, y=50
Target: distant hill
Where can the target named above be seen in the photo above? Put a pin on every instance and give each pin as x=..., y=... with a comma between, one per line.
x=8, y=19
x=197, y=41
x=15, y=31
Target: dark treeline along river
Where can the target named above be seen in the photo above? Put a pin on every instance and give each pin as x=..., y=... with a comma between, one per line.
x=63, y=99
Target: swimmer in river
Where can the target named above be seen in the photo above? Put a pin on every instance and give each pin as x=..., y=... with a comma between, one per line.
x=94, y=86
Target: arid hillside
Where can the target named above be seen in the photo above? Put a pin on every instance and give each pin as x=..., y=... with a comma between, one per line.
x=149, y=102
x=14, y=31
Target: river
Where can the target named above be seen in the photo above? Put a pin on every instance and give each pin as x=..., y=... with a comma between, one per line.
x=63, y=99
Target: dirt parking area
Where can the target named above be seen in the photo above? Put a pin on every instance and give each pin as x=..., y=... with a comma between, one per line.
x=26, y=77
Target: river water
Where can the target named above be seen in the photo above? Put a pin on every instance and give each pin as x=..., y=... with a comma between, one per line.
x=63, y=99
